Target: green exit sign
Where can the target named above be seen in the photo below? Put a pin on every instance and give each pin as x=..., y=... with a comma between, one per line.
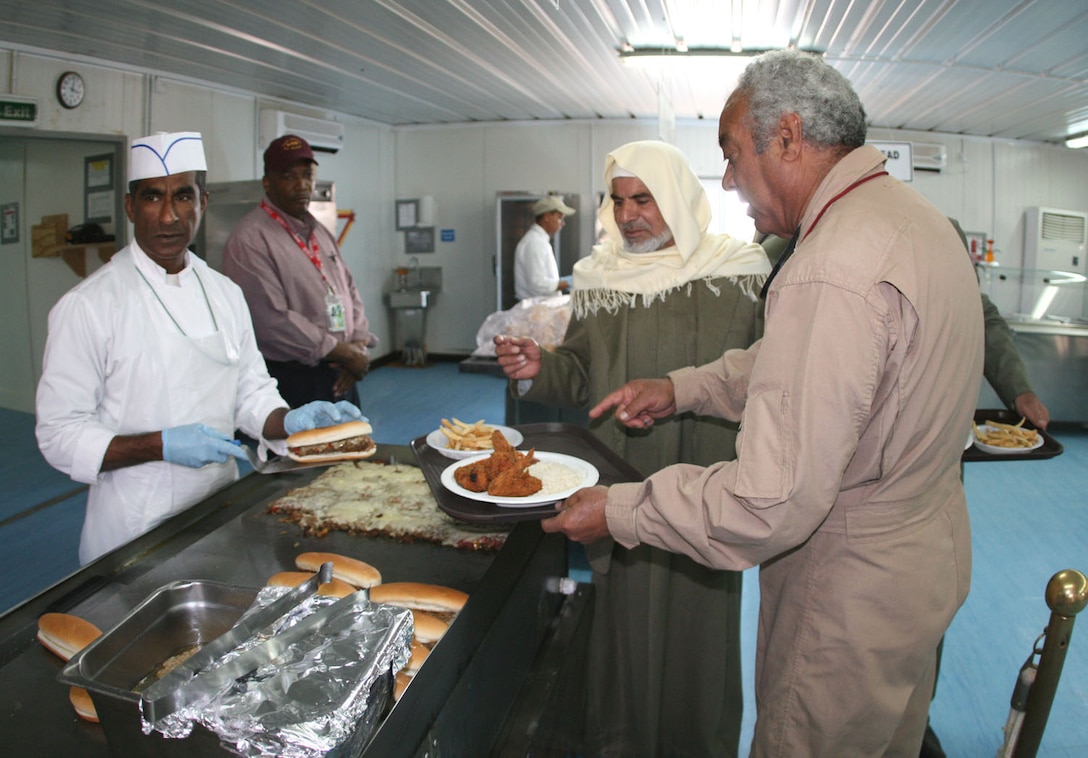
x=18, y=112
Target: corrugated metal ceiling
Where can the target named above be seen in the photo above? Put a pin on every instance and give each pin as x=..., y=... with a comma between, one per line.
x=1004, y=68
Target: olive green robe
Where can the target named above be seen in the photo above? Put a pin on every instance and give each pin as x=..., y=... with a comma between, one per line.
x=664, y=656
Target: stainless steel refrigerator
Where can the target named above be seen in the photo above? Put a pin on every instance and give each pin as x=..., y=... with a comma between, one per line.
x=229, y=201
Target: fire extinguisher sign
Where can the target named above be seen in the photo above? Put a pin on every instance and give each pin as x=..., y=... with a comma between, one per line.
x=900, y=158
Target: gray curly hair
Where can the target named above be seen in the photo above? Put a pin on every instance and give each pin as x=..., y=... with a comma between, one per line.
x=791, y=81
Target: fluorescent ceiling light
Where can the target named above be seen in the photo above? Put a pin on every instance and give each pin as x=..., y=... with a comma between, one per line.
x=1075, y=142
x=668, y=57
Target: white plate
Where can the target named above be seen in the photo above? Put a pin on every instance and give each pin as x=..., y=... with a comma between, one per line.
x=1005, y=450
x=587, y=471
x=440, y=442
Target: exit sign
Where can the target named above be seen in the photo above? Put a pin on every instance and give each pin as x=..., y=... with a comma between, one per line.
x=18, y=111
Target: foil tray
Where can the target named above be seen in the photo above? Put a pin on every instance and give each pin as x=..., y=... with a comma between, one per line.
x=185, y=614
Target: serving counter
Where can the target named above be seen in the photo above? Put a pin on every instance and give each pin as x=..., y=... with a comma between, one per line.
x=496, y=660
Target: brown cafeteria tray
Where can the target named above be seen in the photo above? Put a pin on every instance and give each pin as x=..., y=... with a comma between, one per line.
x=1050, y=448
x=568, y=439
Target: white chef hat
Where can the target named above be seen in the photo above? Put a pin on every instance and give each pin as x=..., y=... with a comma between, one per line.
x=165, y=154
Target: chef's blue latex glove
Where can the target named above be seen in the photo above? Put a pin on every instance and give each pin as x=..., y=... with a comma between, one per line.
x=196, y=445
x=321, y=413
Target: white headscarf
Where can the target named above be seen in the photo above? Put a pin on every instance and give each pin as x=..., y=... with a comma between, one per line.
x=612, y=278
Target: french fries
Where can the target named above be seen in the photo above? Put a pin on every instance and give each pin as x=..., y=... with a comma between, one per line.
x=1006, y=435
x=464, y=436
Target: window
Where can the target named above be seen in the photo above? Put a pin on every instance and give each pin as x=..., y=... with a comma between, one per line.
x=728, y=215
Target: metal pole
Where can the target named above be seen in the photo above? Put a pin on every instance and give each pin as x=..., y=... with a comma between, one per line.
x=1066, y=595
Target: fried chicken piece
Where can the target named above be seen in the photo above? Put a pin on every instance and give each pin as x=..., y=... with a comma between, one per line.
x=504, y=456
x=514, y=482
x=504, y=468
x=475, y=476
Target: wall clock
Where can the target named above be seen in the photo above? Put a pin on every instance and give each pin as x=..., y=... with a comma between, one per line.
x=70, y=89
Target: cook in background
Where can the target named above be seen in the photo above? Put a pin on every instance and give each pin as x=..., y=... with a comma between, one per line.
x=150, y=364
x=535, y=271
x=853, y=407
x=309, y=318
x=660, y=294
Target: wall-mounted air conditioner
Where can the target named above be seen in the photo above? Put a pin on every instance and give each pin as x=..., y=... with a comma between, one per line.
x=1054, y=262
x=1055, y=239
x=322, y=134
x=929, y=156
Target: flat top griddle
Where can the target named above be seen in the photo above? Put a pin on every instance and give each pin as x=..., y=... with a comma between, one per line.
x=568, y=439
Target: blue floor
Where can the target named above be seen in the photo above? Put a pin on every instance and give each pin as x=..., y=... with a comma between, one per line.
x=405, y=403
x=1028, y=521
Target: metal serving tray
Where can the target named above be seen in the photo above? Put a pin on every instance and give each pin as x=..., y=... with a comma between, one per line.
x=549, y=437
x=174, y=618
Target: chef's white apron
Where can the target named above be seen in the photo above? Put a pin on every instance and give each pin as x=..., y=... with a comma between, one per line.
x=177, y=380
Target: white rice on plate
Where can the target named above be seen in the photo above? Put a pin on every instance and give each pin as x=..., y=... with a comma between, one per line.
x=555, y=476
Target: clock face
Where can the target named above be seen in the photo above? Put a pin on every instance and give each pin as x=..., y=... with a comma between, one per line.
x=70, y=89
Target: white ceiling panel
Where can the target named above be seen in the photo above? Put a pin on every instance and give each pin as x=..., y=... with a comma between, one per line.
x=1009, y=68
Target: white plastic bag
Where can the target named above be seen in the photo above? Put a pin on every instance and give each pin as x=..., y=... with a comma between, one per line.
x=545, y=319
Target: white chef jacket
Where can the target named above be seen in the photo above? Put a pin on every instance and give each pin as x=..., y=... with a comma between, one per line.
x=116, y=362
x=535, y=271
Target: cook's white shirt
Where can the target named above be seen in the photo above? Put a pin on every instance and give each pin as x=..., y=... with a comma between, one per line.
x=102, y=359
x=535, y=271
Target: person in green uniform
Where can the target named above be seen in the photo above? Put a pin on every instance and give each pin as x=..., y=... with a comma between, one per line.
x=659, y=294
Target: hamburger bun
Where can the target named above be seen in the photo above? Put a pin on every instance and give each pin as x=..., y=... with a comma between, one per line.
x=351, y=570
x=335, y=588
x=81, y=701
x=342, y=442
x=419, y=596
x=419, y=655
x=428, y=628
x=400, y=683
x=65, y=635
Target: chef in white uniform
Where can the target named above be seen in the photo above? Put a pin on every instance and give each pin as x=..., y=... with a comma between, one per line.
x=536, y=272
x=151, y=364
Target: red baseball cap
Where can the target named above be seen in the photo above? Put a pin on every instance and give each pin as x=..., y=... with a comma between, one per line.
x=286, y=152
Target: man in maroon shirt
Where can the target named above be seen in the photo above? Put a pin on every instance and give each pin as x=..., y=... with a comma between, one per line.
x=307, y=313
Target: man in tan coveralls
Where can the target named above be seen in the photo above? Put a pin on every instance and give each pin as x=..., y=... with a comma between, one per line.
x=853, y=408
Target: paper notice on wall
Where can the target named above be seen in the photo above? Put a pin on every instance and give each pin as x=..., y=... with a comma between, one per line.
x=900, y=155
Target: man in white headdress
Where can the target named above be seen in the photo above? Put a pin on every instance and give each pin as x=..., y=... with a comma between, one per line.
x=151, y=365
x=661, y=293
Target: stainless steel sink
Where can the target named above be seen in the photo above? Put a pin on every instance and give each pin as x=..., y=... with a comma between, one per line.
x=409, y=298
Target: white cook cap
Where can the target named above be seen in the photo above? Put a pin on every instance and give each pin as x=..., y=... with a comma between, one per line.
x=165, y=154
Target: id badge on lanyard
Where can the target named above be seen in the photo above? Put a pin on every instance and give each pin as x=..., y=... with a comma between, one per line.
x=334, y=313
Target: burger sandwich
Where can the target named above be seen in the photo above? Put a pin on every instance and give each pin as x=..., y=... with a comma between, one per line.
x=343, y=442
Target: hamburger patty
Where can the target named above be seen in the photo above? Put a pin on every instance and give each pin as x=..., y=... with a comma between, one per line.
x=350, y=445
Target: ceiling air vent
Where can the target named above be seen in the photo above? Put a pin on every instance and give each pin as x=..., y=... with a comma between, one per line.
x=929, y=156
x=322, y=134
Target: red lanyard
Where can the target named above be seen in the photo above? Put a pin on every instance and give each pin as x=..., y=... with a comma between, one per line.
x=839, y=196
x=311, y=251
x=796, y=237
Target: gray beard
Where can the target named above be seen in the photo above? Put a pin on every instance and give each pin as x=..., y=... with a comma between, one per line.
x=650, y=245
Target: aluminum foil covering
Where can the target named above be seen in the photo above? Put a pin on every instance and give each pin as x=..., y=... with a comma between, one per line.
x=317, y=680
